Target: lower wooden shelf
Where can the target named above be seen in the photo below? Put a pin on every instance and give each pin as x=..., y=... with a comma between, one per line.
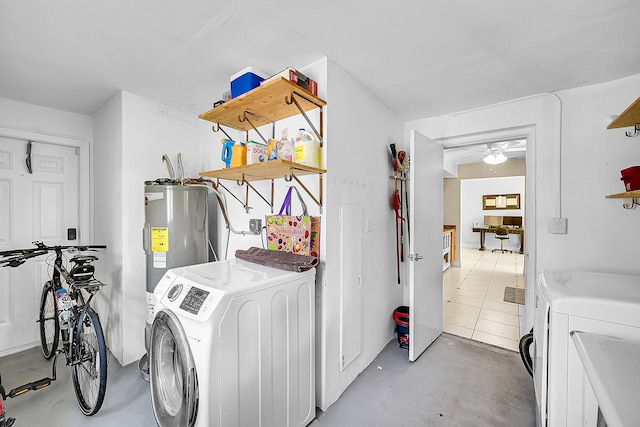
x=273, y=169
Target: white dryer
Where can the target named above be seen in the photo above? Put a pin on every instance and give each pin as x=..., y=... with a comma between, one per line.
x=232, y=344
x=567, y=301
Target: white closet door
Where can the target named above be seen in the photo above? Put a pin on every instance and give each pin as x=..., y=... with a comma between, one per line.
x=350, y=284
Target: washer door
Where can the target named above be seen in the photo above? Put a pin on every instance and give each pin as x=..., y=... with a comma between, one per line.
x=172, y=373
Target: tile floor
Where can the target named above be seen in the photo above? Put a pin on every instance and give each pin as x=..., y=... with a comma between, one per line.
x=473, y=297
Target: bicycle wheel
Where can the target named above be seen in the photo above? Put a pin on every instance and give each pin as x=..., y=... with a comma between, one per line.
x=48, y=319
x=89, y=369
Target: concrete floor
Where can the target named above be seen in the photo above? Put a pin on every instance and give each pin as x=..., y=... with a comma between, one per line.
x=456, y=382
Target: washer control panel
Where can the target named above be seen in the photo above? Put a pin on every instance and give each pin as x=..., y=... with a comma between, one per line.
x=194, y=299
x=187, y=297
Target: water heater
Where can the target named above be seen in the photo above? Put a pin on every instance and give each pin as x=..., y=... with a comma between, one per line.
x=176, y=227
x=175, y=234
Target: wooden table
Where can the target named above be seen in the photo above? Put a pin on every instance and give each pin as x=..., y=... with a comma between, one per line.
x=484, y=230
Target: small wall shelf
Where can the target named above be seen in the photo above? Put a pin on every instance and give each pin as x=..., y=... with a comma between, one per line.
x=627, y=195
x=629, y=117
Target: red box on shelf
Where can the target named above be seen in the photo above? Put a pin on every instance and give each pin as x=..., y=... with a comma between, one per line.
x=298, y=78
x=631, y=178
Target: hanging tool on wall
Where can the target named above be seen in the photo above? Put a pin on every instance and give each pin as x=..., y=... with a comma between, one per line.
x=401, y=157
x=396, y=203
x=403, y=168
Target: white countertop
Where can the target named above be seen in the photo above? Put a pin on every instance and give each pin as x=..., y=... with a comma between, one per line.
x=611, y=364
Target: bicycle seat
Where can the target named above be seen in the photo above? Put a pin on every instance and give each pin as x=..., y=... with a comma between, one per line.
x=81, y=259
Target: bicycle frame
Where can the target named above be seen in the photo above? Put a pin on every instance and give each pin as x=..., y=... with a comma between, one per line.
x=78, y=309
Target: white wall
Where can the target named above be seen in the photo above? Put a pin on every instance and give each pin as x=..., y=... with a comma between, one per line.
x=132, y=133
x=359, y=130
x=108, y=218
x=573, y=161
x=34, y=119
x=471, y=192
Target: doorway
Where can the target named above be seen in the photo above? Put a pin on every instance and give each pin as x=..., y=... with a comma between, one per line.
x=474, y=298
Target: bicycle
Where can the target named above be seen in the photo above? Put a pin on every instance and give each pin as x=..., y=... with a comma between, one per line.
x=66, y=313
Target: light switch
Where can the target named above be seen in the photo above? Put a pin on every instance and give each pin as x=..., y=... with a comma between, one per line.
x=558, y=226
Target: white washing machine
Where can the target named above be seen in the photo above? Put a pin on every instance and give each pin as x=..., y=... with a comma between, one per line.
x=566, y=301
x=232, y=344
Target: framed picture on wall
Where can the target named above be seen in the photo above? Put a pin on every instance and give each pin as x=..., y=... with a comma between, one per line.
x=501, y=201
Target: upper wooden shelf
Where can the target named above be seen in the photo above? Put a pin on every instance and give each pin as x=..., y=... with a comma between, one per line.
x=271, y=101
x=627, y=195
x=273, y=169
x=629, y=117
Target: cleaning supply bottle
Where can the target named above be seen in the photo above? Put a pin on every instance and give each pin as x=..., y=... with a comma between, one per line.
x=272, y=150
x=285, y=147
x=307, y=149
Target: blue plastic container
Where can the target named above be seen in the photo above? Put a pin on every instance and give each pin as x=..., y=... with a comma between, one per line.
x=245, y=80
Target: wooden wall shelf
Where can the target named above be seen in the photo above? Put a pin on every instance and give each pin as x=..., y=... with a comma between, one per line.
x=274, y=169
x=271, y=101
x=627, y=195
x=629, y=117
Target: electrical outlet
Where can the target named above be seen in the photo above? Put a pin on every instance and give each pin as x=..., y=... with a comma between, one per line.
x=558, y=226
x=255, y=226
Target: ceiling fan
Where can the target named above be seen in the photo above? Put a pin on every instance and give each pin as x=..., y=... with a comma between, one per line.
x=495, y=152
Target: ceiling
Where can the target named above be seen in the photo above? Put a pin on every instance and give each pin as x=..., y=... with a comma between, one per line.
x=419, y=57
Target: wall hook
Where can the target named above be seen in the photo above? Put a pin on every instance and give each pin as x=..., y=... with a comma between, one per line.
x=636, y=131
x=213, y=128
x=28, y=159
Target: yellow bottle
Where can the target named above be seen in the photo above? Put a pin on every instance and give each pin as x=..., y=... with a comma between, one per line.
x=307, y=149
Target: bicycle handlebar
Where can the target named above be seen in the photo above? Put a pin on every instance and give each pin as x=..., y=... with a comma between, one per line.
x=17, y=257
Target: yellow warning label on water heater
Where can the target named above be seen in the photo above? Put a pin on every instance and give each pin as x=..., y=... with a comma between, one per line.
x=159, y=239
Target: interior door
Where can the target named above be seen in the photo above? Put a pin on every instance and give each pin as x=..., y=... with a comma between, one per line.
x=33, y=206
x=425, y=246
